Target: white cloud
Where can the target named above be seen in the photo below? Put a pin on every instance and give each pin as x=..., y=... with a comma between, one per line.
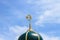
x=38, y=2
x=14, y=33
x=48, y=37
x=18, y=30
x=50, y=11
x=50, y=16
x=1, y=38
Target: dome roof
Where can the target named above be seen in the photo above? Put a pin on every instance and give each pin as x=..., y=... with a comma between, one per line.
x=30, y=35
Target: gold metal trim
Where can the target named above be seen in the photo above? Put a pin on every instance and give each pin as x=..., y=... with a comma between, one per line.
x=26, y=38
x=28, y=17
x=38, y=37
x=26, y=35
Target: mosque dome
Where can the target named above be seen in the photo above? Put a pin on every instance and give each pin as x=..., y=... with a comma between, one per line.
x=30, y=34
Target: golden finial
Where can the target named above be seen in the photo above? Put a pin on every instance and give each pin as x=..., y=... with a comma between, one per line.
x=28, y=17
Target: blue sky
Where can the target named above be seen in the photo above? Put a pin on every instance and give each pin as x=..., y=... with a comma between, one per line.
x=45, y=18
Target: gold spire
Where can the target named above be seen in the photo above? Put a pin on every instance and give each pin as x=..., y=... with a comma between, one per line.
x=28, y=17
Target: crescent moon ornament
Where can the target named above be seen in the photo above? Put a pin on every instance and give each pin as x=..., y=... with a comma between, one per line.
x=29, y=17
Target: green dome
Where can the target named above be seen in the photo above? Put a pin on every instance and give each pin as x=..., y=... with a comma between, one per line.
x=30, y=35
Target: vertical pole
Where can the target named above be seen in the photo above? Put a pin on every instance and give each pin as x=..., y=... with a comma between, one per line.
x=29, y=19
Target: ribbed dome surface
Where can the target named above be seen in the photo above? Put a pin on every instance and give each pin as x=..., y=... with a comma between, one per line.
x=31, y=35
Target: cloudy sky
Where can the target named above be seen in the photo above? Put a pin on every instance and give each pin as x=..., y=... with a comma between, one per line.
x=45, y=18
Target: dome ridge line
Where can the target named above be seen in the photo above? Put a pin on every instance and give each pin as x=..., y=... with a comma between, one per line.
x=26, y=35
